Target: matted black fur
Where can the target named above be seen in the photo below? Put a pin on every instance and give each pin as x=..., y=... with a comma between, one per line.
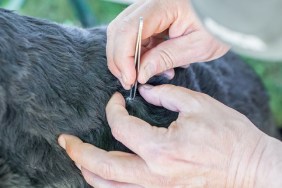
x=54, y=79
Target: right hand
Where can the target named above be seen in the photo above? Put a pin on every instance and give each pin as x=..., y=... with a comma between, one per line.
x=188, y=41
x=209, y=145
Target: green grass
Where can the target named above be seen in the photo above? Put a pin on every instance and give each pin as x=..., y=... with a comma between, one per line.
x=61, y=11
x=57, y=10
x=105, y=11
x=3, y=2
x=271, y=74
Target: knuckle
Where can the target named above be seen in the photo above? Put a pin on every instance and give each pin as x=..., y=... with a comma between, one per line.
x=117, y=133
x=110, y=30
x=162, y=154
x=196, y=103
x=162, y=181
x=199, y=99
x=167, y=61
x=165, y=88
x=209, y=50
x=125, y=26
x=106, y=170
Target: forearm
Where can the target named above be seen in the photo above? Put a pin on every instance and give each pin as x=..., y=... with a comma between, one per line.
x=256, y=163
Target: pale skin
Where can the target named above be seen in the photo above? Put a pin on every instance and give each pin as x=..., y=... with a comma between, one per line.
x=209, y=145
x=189, y=41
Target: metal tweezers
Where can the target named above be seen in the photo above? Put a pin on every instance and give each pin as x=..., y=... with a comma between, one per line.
x=137, y=58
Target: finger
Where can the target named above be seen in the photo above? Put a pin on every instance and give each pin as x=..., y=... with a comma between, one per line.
x=111, y=37
x=198, y=46
x=126, y=30
x=127, y=129
x=113, y=165
x=174, y=98
x=96, y=181
x=116, y=72
x=169, y=54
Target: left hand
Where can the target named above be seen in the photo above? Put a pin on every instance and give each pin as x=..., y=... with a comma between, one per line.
x=175, y=20
x=209, y=145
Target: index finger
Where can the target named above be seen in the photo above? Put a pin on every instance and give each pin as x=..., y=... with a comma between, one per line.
x=122, y=35
x=110, y=165
x=133, y=132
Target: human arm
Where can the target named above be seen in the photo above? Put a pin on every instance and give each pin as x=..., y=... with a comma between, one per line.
x=188, y=41
x=209, y=145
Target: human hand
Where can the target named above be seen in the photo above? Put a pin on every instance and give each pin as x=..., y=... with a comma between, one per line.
x=188, y=41
x=209, y=145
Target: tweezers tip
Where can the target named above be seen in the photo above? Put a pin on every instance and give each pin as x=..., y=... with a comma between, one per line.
x=128, y=99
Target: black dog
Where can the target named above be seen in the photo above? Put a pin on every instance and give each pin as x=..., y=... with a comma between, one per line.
x=54, y=79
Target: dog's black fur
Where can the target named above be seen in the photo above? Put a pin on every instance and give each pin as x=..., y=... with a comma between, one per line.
x=54, y=79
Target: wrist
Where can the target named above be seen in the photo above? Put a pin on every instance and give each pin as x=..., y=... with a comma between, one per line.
x=269, y=169
x=256, y=161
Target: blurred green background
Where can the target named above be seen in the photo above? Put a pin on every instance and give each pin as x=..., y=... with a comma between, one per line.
x=87, y=13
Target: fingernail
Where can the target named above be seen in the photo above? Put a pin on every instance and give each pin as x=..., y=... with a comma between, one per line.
x=62, y=142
